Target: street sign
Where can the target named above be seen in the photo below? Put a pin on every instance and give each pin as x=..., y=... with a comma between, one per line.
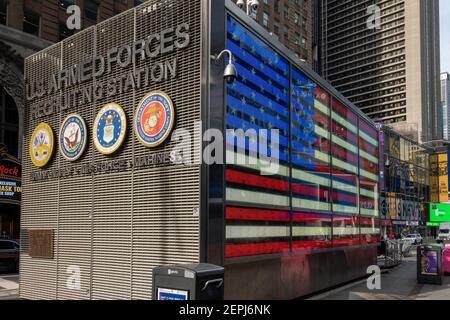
x=433, y=224
x=439, y=212
x=10, y=182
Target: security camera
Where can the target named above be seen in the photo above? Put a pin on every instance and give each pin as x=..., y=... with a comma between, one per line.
x=240, y=3
x=254, y=5
x=230, y=73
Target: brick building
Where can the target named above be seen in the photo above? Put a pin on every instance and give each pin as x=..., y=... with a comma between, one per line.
x=26, y=27
x=47, y=19
x=291, y=22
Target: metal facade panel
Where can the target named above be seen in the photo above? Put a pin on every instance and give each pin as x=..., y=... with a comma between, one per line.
x=115, y=226
x=74, y=230
x=165, y=228
x=40, y=205
x=75, y=200
x=112, y=234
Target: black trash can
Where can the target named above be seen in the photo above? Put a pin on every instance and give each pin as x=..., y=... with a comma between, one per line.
x=188, y=282
x=429, y=264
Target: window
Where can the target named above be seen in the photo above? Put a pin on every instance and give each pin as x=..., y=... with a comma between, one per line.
x=296, y=18
x=305, y=5
x=9, y=122
x=345, y=179
x=276, y=5
x=311, y=172
x=266, y=20
x=286, y=32
x=368, y=181
x=91, y=10
x=3, y=11
x=276, y=26
x=64, y=32
x=66, y=3
x=6, y=245
x=297, y=38
x=304, y=24
x=31, y=23
x=258, y=100
x=304, y=43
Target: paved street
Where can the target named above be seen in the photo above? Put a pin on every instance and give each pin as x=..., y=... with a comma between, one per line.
x=9, y=286
x=398, y=284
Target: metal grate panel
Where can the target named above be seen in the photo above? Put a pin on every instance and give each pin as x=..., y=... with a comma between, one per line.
x=116, y=227
x=40, y=201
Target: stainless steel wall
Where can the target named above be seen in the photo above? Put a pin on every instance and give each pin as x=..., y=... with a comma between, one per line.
x=295, y=276
x=116, y=227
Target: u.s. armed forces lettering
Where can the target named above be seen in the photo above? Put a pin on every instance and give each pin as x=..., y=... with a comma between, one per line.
x=72, y=98
x=153, y=47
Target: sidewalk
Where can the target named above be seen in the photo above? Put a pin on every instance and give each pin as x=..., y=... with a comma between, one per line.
x=399, y=283
x=9, y=286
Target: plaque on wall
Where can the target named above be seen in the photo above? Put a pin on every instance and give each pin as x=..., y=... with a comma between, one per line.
x=41, y=244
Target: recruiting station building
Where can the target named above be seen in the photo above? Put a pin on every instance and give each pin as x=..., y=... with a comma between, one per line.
x=108, y=211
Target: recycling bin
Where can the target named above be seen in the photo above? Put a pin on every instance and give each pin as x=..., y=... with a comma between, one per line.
x=188, y=282
x=429, y=264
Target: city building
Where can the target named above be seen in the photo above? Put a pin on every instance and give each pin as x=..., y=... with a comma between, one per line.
x=290, y=22
x=405, y=186
x=26, y=27
x=291, y=195
x=10, y=194
x=48, y=19
x=445, y=100
x=389, y=68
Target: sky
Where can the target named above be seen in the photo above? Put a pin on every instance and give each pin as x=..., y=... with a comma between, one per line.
x=445, y=35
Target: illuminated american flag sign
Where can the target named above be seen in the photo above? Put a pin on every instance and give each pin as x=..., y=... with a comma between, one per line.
x=325, y=193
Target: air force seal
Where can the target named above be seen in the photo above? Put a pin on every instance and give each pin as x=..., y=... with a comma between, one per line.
x=154, y=119
x=41, y=145
x=72, y=137
x=110, y=127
